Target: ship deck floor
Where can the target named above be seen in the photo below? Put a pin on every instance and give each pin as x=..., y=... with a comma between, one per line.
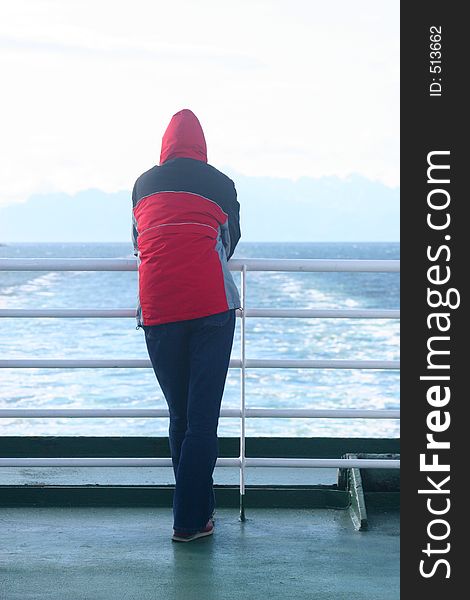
x=96, y=553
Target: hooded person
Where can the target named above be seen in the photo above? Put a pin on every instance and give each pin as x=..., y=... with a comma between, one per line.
x=185, y=229
x=186, y=225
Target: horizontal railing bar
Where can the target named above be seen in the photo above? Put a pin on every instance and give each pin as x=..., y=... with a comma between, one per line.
x=68, y=264
x=250, y=312
x=327, y=463
x=67, y=312
x=319, y=413
x=94, y=413
x=254, y=363
x=287, y=363
x=308, y=313
x=252, y=264
x=314, y=265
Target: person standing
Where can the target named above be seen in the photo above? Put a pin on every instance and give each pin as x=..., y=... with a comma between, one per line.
x=185, y=228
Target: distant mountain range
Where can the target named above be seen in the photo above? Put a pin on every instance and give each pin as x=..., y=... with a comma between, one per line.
x=272, y=209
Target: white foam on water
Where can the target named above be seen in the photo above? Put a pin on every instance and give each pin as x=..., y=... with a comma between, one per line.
x=350, y=303
x=266, y=338
x=297, y=290
x=34, y=285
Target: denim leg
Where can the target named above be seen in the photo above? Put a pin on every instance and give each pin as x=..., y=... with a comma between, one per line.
x=167, y=345
x=210, y=349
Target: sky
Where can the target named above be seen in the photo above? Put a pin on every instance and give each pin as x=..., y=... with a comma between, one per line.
x=282, y=89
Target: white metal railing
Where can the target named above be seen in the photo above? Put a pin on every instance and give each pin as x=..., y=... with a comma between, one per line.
x=362, y=463
x=312, y=265
x=138, y=363
x=259, y=413
x=120, y=313
x=243, y=265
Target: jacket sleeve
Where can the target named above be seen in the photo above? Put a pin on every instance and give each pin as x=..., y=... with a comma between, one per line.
x=233, y=221
x=134, y=233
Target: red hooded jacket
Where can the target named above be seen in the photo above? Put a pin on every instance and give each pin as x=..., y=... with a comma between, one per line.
x=186, y=225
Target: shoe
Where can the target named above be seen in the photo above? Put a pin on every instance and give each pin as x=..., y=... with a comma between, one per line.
x=180, y=536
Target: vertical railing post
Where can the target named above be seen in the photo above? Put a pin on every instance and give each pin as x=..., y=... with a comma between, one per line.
x=242, y=394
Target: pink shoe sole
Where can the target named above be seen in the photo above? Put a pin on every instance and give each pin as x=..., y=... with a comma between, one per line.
x=188, y=537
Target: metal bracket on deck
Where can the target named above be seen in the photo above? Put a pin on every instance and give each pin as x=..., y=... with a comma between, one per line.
x=378, y=482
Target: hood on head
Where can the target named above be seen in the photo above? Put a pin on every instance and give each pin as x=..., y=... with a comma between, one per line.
x=183, y=138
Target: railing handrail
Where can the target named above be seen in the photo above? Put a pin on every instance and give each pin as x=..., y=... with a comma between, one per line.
x=144, y=363
x=311, y=265
x=319, y=463
x=277, y=313
x=242, y=265
x=154, y=413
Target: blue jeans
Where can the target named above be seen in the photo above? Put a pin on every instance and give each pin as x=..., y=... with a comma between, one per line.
x=191, y=360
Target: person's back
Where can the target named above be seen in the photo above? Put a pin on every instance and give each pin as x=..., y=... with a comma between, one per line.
x=185, y=228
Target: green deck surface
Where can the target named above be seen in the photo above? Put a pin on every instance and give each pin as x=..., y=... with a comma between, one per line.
x=96, y=553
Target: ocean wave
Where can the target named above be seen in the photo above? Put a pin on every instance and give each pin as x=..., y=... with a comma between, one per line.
x=266, y=338
x=31, y=286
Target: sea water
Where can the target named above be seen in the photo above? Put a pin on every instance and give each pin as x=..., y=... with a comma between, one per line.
x=298, y=338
